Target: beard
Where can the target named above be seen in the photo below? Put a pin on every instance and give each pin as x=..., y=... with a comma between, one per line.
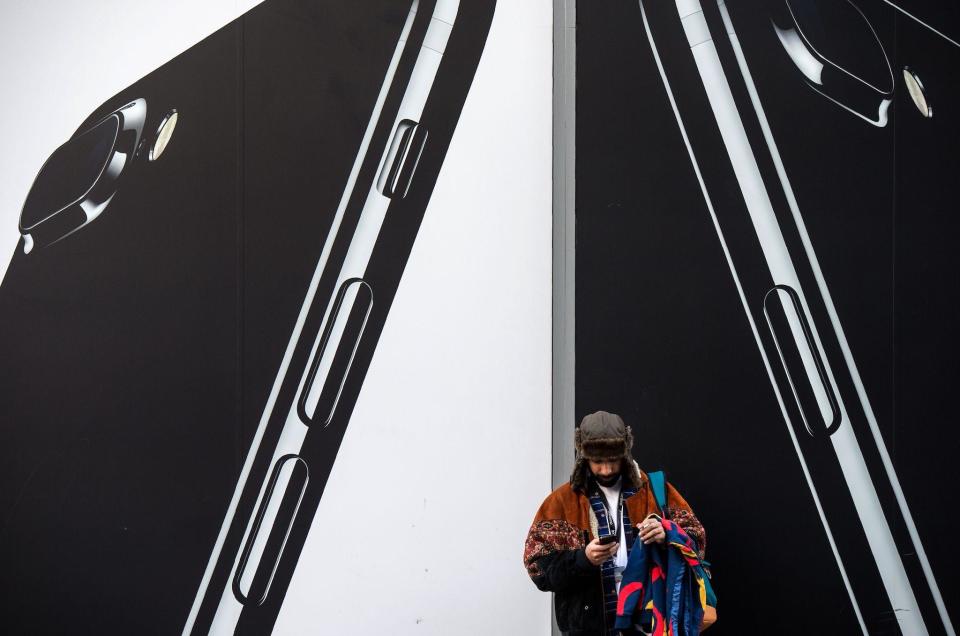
x=607, y=481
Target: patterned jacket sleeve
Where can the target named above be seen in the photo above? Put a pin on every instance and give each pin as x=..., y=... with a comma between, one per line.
x=680, y=512
x=554, y=551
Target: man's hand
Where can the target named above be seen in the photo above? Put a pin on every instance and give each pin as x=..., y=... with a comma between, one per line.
x=651, y=530
x=597, y=553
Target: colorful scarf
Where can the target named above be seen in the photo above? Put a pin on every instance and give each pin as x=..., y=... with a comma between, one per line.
x=661, y=591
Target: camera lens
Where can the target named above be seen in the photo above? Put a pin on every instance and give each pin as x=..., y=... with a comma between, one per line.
x=70, y=172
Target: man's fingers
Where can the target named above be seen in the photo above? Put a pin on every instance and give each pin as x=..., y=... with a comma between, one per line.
x=651, y=531
x=650, y=527
x=598, y=553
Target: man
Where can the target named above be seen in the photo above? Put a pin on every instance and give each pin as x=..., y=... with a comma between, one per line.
x=607, y=494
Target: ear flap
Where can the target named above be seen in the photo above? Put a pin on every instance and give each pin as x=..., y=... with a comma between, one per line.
x=578, y=478
x=633, y=474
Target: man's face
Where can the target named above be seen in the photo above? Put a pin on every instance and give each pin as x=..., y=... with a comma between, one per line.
x=606, y=472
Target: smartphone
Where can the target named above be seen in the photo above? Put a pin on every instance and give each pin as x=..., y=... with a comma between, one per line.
x=150, y=307
x=881, y=238
x=607, y=540
x=263, y=534
x=789, y=308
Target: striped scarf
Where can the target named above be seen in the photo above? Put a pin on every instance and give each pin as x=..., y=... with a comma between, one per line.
x=609, y=584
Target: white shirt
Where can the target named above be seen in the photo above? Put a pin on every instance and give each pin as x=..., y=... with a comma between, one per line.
x=612, y=495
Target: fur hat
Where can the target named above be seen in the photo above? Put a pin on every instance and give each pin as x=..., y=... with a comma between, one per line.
x=603, y=436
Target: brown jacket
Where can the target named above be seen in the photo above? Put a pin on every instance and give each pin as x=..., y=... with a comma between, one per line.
x=554, y=551
x=565, y=514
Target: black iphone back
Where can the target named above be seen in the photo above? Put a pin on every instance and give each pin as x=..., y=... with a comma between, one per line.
x=137, y=354
x=668, y=346
x=879, y=205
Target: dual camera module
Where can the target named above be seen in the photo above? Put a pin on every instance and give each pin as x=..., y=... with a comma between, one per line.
x=80, y=178
x=837, y=50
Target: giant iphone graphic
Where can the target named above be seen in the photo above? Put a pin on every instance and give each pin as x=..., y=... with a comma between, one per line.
x=203, y=274
x=885, y=564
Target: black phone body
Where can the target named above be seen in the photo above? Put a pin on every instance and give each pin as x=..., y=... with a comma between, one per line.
x=882, y=231
x=675, y=350
x=607, y=539
x=748, y=192
x=139, y=351
x=343, y=323
x=929, y=17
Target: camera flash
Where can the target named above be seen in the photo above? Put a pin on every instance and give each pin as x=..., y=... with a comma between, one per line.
x=915, y=88
x=164, y=132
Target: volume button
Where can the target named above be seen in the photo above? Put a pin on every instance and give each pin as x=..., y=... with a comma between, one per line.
x=267, y=536
x=802, y=362
x=334, y=357
x=401, y=159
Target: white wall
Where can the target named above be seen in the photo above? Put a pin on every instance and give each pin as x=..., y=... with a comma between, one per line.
x=453, y=422
x=452, y=426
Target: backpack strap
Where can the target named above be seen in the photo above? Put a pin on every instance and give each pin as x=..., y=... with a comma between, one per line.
x=658, y=482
